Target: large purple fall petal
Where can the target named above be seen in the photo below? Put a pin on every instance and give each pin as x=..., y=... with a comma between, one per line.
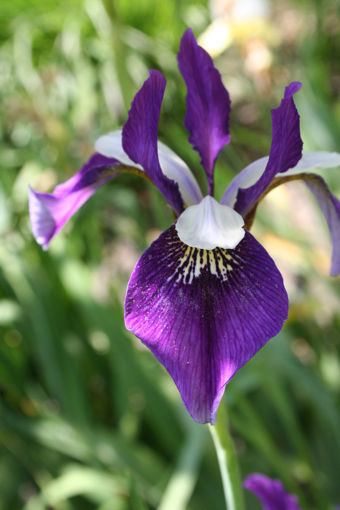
x=271, y=493
x=50, y=211
x=285, y=150
x=204, y=313
x=140, y=136
x=208, y=103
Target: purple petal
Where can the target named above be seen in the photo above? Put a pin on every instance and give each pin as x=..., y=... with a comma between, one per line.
x=204, y=313
x=285, y=150
x=208, y=103
x=330, y=207
x=172, y=165
x=50, y=211
x=140, y=136
x=328, y=203
x=271, y=493
x=310, y=160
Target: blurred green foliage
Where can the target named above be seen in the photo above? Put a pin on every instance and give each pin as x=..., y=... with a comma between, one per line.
x=88, y=418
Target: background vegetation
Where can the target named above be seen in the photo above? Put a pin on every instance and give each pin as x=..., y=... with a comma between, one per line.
x=88, y=418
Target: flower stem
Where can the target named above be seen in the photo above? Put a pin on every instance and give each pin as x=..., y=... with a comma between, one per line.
x=227, y=460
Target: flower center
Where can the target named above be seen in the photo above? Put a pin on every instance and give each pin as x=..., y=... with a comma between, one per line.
x=209, y=225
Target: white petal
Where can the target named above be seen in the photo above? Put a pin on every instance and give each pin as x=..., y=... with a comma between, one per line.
x=110, y=145
x=246, y=178
x=314, y=160
x=173, y=166
x=310, y=161
x=209, y=225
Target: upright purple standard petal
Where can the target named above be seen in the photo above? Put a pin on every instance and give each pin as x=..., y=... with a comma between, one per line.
x=271, y=493
x=208, y=104
x=172, y=165
x=204, y=313
x=50, y=211
x=328, y=203
x=140, y=136
x=285, y=150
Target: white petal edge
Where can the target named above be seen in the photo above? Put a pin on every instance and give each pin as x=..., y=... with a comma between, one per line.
x=310, y=161
x=110, y=145
x=176, y=169
x=209, y=225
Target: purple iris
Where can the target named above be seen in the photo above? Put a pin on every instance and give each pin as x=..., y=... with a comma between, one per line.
x=271, y=493
x=205, y=296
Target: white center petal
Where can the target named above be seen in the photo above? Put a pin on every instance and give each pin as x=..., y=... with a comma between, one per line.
x=209, y=225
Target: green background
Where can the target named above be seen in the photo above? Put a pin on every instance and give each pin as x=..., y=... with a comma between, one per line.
x=88, y=418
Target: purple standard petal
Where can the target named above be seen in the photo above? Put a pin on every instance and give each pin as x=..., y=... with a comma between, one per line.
x=140, y=136
x=329, y=204
x=310, y=160
x=271, y=493
x=172, y=165
x=285, y=150
x=50, y=211
x=208, y=104
x=204, y=313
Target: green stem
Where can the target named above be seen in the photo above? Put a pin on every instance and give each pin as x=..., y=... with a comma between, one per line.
x=227, y=460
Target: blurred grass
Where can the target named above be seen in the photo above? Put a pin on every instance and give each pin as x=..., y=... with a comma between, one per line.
x=88, y=419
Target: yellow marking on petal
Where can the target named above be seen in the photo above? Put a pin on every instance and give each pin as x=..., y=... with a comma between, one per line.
x=193, y=261
x=212, y=262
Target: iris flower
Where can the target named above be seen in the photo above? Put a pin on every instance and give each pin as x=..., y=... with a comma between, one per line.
x=271, y=493
x=205, y=296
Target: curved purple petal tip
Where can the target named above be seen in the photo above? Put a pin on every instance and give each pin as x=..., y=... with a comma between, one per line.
x=50, y=211
x=285, y=150
x=292, y=88
x=140, y=136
